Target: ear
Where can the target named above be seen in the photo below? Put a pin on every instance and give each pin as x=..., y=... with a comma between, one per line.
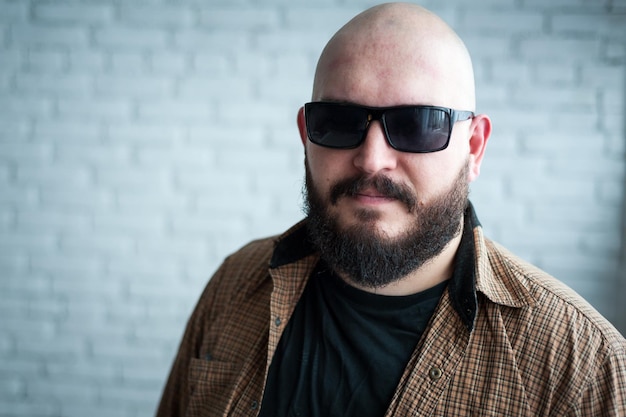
x=480, y=131
x=302, y=126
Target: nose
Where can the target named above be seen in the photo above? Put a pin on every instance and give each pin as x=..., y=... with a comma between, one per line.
x=375, y=154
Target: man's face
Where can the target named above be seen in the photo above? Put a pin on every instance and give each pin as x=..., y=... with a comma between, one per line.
x=386, y=194
x=422, y=176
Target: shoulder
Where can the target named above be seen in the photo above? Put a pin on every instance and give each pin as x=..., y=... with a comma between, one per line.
x=245, y=268
x=554, y=325
x=549, y=298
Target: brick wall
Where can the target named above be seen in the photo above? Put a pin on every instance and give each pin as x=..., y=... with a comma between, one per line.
x=142, y=141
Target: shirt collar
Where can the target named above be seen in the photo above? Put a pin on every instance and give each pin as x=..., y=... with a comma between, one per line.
x=473, y=271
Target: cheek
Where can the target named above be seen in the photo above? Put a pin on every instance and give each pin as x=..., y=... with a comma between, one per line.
x=433, y=174
x=327, y=165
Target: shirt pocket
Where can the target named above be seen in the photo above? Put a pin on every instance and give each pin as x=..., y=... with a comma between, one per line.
x=211, y=384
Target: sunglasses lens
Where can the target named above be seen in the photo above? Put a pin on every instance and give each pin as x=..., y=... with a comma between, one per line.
x=335, y=126
x=415, y=129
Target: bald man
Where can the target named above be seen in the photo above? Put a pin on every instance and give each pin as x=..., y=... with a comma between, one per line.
x=387, y=299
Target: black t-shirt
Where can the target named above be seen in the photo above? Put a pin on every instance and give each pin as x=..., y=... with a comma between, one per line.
x=344, y=350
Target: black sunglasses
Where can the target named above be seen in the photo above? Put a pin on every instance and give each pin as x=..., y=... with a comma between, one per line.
x=417, y=129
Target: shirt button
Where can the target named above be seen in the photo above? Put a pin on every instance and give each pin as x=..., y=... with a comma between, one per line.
x=435, y=373
x=254, y=405
x=278, y=321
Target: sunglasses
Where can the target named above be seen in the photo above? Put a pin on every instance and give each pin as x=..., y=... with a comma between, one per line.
x=417, y=129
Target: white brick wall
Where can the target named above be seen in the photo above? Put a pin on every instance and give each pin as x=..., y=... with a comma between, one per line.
x=141, y=142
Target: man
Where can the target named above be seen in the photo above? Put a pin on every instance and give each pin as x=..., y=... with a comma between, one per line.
x=387, y=299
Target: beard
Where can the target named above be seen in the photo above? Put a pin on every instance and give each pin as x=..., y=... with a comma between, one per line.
x=370, y=258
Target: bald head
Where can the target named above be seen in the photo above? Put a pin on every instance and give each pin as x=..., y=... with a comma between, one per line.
x=393, y=54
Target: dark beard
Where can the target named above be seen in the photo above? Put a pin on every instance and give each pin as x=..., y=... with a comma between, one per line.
x=368, y=258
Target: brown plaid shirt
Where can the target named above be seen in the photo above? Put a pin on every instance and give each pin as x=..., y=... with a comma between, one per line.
x=512, y=342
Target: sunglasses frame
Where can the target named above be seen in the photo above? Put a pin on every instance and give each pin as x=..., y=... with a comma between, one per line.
x=378, y=113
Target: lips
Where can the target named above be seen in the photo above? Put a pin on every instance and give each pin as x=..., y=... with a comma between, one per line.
x=375, y=194
x=379, y=187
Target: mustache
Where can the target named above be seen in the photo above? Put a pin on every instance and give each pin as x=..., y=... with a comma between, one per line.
x=353, y=186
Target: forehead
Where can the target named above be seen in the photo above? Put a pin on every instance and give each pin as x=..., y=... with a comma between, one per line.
x=382, y=73
x=381, y=67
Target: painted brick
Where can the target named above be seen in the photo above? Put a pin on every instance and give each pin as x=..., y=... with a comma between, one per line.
x=34, y=408
x=47, y=221
x=576, y=168
x=110, y=109
x=24, y=107
x=263, y=64
x=85, y=60
x=554, y=190
x=97, y=410
x=558, y=5
x=162, y=62
x=197, y=87
x=29, y=243
x=128, y=62
x=46, y=61
x=49, y=175
x=12, y=130
x=141, y=86
x=142, y=198
x=161, y=16
x=615, y=51
x=79, y=197
x=125, y=38
x=604, y=76
x=32, y=35
x=71, y=13
x=199, y=225
x=257, y=113
x=5, y=173
x=503, y=21
x=588, y=143
x=12, y=387
x=284, y=88
x=12, y=60
x=91, y=154
x=555, y=75
x=68, y=265
x=484, y=46
x=130, y=395
x=250, y=18
x=251, y=137
x=75, y=85
x=290, y=41
x=203, y=40
x=186, y=158
x=156, y=178
x=559, y=49
x=18, y=196
x=579, y=23
x=29, y=286
x=551, y=98
x=56, y=131
x=603, y=242
x=136, y=133
x=13, y=11
x=137, y=224
x=325, y=18
x=83, y=371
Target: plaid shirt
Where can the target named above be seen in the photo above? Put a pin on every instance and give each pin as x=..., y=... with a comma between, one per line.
x=505, y=340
